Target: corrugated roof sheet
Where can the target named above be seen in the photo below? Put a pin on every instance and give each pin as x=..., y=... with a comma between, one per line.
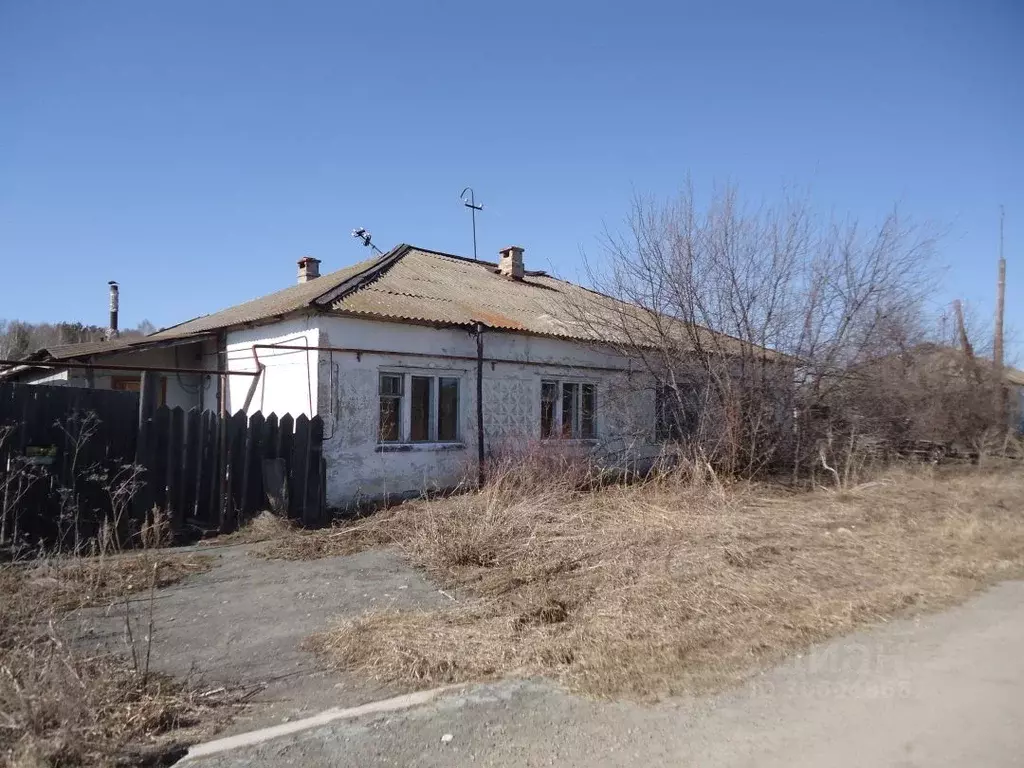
x=419, y=285
x=281, y=302
x=433, y=287
x=426, y=286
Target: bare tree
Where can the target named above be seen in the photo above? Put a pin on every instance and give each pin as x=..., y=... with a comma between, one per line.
x=795, y=303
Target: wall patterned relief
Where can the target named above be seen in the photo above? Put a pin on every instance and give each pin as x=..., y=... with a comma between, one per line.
x=508, y=408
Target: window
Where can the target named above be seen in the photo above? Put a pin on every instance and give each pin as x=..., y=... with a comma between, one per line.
x=390, y=408
x=134, y=384
x=419, y=420
x=588, y=406
x=675, y=412
x=447, y=409
x=568, y=409
x=548, y=408
x=418, y=408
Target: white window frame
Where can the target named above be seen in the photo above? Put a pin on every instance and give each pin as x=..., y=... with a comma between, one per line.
x=561, y=382
x=405, y=406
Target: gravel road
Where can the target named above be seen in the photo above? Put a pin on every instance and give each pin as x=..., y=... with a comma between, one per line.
x=941, y=690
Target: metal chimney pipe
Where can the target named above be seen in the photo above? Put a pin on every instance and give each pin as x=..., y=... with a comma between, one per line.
x=112, y=326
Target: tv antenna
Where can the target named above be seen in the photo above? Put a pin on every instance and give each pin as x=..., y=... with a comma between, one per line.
x=473, y=207
x=367, y=238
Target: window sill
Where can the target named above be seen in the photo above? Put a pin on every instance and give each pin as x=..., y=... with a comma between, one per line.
x=570, y=440
x=417, y=447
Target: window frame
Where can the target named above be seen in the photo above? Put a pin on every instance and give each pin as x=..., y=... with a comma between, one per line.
x=560, y=430
x=398, y=398
x=405, y=406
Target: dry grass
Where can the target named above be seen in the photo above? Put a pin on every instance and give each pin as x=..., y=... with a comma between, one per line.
x=342, y=539
x=276, y=538
x=675, y=585
x=266, y=526
x=61, y=704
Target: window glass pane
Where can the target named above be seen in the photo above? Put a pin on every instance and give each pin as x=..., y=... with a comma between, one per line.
x=419, y=409
x=588, y=406
x=548, y=396
x=447, y=408
x=389, y=418
x=570, y=393
x=390, y=384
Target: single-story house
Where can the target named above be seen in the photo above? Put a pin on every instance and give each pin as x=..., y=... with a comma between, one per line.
x=401, y=356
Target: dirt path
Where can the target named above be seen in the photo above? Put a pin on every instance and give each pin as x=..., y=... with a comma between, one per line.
x=942, y=690
x=242, y=622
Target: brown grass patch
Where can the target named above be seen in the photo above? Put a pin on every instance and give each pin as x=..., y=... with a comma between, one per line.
x=266, y=526
x=280, y=539
x=61, y=704
x=668, y=586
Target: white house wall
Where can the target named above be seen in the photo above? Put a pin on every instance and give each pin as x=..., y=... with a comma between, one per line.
x=357, y=467
x=289, y=381
x=55, y=379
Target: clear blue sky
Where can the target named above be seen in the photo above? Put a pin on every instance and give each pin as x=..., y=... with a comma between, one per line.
x=193, y=150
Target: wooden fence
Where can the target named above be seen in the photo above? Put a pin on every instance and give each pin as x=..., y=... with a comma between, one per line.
x=73, y=458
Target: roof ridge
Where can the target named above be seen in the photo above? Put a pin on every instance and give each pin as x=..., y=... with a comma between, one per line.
x=362, y=278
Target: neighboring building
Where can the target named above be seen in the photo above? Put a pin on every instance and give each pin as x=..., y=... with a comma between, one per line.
x=386, y=352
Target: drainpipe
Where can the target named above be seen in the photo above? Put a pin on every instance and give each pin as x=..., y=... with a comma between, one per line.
x=480, y=403
x=260, y=367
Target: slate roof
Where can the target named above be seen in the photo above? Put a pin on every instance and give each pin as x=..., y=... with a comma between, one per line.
x=283, y=302
x=409, y=284
x=433, y=287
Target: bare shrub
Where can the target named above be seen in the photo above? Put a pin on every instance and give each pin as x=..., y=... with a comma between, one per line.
x=648, y=589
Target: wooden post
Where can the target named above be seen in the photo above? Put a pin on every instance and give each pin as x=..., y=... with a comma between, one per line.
x=149, y=389
x=480, y=404
x=1002, y=400
x=145, y=446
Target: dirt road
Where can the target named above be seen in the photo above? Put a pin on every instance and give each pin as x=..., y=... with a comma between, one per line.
x=242, y=623
x=942, y=690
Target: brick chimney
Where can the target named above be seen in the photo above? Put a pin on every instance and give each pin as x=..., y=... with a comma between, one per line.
x=511, y=262
x=309, y=269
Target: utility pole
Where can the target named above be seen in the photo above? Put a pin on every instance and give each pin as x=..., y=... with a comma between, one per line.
x=473, y=207
x=997, y=343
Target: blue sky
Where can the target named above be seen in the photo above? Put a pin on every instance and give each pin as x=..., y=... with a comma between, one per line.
x=194, y=150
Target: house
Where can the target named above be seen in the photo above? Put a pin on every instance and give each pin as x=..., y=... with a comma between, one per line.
x=419, y=362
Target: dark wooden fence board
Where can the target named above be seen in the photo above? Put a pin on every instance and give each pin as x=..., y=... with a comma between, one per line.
x=205, y=470
x=297, y=475
x=175, y=461
x=190, y=465
x=252, y=474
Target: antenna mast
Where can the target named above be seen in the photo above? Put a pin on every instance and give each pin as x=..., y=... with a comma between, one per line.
x=473, y=207
x=367, y=238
